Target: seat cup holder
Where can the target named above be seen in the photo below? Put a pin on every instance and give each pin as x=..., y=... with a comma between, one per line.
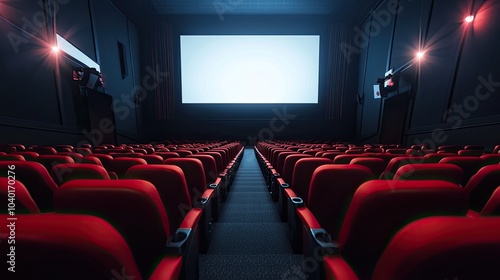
x=323, y=237
x=179, y=237
x=297, y=200
x=202, y=200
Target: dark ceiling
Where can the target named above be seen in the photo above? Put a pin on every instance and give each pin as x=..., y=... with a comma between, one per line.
x=247, y=7
x=345, y=10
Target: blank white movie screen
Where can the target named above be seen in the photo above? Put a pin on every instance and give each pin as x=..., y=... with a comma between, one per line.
x=250, y=69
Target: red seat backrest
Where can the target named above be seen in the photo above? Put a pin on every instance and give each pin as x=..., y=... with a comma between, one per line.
x=194, y=174
x=481, y=186
x=18, y=199
x=379, y=208
x=331, y=190
x=455, y=248
x=82, y=243
x=133, y=207
x=430, y=171
x=302, y=175
x=171, y=184
x=65, y=172
x=36, y=179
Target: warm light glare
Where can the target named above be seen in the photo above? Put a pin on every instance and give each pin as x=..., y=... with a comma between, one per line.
x=420, y=55
x=469, y=18
x=55, y=49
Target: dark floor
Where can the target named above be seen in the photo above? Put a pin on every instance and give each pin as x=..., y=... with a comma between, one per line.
x=249, y=241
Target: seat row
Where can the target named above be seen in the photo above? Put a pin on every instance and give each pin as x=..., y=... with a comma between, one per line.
x=174, y=197
x=379, y=148
x=341, y=202
x=293, y=175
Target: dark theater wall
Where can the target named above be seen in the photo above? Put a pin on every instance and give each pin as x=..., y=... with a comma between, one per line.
x=38, y=105
x=455, y=98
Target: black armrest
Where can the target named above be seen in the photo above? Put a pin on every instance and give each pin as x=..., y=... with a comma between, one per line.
x=178, y=244
x=297, y=202
x=323, y=244
x=201, y=202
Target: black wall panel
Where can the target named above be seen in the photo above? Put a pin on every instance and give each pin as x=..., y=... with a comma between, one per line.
x=37, y=93
x=479, y=65
x=455, y=99
x=438, y=66
x=380, y=41
x=112, y=27
x=27, y=81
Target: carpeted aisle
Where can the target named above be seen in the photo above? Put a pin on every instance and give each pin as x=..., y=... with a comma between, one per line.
x=249, y=241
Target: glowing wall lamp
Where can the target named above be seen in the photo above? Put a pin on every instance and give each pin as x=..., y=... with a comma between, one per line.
x=419, y=55
x=469, y=18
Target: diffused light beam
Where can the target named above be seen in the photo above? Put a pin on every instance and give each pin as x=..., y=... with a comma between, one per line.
x=75, y=53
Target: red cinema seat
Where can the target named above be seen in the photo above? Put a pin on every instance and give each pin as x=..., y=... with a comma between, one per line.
x=45, y=150
x=496, y=150
x=469, y=165
x=122, y=164
x=65, y=172
x=12, y=157
x=135, y=209
x=331, y=155
x=18, y=147
x=448, y=248
x=48, y=161
x=430, y=171
x=289, y=166
x=194, y=174
x=218, y=160
x=302, y=175
x=31, y=156
x=379, y=208
x=83, y=151
x=436, y=157
x=152, y=159
x=209, y=166
x=279, y=161
x=91, y=160
x=346, y=159
x=129, y=155
x=331, y=190
x=490, y=159
x=395, y=163
x=183, y=153
x=481, y=186
x=433, y=248
x=14, y=193
x=285, y=181
x=106, y=160
x=449, y=148
x=471, y=153
x=374, y=150
x=376, y=165
x=75, y=156
x=492, y=207
x=171, y=184
x=36, y=179
x=474, y=147
x=43, y=240
x=166, y=155
x=396, y=151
